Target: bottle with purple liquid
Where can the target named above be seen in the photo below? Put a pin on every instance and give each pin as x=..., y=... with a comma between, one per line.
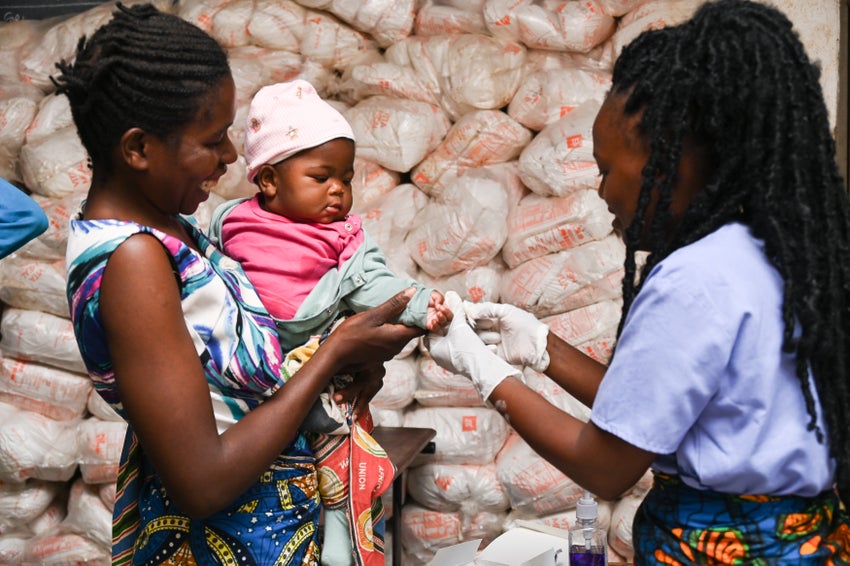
x=588, y=543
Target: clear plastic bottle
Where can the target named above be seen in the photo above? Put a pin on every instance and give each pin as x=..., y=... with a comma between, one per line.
x=588, y=543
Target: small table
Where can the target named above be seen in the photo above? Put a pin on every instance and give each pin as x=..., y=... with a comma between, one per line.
x=402, y=444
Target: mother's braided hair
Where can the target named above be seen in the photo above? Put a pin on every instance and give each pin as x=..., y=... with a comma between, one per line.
x=737, y=79
x=145, y=69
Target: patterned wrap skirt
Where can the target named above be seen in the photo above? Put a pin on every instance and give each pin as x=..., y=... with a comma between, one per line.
x=679, y=525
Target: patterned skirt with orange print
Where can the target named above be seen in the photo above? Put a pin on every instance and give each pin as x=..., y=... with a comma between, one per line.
x=677, y=525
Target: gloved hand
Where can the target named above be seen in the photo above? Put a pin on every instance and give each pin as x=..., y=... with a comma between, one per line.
x=515, y=334
x=461, y=351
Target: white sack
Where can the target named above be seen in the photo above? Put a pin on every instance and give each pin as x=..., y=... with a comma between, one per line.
x=65, y=550
x=425, y=531
x=230, y=24
x=477, y=284
x=35, y=446
x=399, y=384
x=370, y=183
x=455, y=487
x=396, y=133
x=381, y=78
x=40, y=337
x=587, y=322
x=465, y=229
x=100, y=408
x=465, y=435
x=617, y=8
x=439, y=387
x=52, y=392
x=567, y=280
x=201, y=12
x=331, y=43
x=541, y=225
x=544, y=386
x=87, y=514
x=101, y=443
x=652, y=14
x=435, y=18
x=534, y=486
x=469, y=71
x=387, y=417
x=54, y=114
x=18, y=108
x=23, y=502
x=388, y=220
x=50, y=519
x=277, y=24
x=51, y=244
x=12, y=548
x=563, y=520
x=57, y=165
x=387, y=21
x=34, y=284
x=620, y=533
x=478, y=138
x=562, y=26
x=559, y=160
x=547, y=95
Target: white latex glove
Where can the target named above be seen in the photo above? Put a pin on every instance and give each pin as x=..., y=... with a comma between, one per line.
x=461, y=351
x=515, y=334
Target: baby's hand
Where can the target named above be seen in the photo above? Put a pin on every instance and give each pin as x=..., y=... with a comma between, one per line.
x=438, y=315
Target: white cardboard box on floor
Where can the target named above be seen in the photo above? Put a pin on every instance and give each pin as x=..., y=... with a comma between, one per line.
x=519, y=546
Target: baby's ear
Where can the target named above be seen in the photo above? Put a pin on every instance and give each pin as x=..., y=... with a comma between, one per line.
x=266, y=180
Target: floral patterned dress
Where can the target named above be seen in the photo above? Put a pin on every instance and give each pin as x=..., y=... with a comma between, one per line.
x=275, y=521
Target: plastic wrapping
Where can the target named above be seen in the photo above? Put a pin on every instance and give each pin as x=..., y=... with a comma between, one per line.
x=541, y=225
x=441, y=388
x=567, y=280
x=35, y=446
x=399, y=384
x=559, y=160
x=33, y=284
x=465, y=435
x=547, y=95
x=52, y=392
x=453, y=487
x=40, y=337
x=100, y=444
x=387, y=21
x=466, y=229
x=57, y=165
x=566, y=26
x=478, y=138
x=18, y=108
x=396, y=133
x=534, y=486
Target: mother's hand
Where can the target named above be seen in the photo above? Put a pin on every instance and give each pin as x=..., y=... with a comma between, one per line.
x=366, y=384
x=368, y=338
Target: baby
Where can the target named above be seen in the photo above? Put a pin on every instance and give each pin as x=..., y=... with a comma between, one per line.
x=311, y=263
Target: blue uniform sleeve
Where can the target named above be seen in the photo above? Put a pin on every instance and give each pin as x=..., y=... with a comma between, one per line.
x=21, y=219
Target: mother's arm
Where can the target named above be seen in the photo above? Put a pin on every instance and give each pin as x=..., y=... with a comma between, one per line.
x=165, y=394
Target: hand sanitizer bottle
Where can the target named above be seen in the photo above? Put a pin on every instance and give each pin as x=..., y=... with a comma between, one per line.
x=588, y=543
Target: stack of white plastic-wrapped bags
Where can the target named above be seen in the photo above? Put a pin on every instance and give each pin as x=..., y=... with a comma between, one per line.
x=474, y=172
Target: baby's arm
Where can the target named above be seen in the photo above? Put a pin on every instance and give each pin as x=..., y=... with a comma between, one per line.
x=438, y=314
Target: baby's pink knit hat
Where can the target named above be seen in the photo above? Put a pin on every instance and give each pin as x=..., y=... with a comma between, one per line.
x=286, y=118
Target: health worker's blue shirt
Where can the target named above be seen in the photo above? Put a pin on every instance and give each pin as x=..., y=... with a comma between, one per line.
x=699, y=376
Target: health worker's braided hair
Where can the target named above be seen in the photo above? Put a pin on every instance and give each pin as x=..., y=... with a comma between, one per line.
x=737, y=79
x=145, y=69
